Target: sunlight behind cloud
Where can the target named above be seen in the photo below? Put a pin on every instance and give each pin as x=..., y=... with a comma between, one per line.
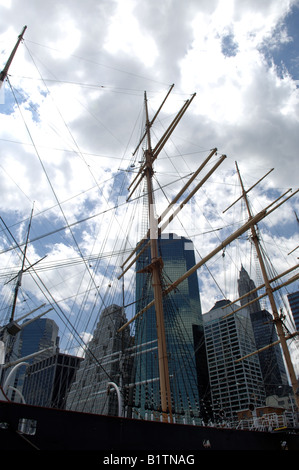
x=125, y=35
x=5, y=3
x=67, y=41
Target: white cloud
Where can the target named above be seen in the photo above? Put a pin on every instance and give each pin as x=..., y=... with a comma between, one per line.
x=69, y=39
x=85, y=131
x=125, y=35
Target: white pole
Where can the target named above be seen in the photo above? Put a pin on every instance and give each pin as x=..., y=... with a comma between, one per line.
x=112, y=384
x=6, y=383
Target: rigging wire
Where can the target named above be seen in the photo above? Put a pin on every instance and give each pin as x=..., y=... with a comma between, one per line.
x=68, y=226
x=47, y=177
x=60, y=312
x=224, y=296
x=100, y=64
x=77, y=222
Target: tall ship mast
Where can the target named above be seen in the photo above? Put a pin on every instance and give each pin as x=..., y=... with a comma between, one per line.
x=157, y=263
x=278, y=319
x=4, y=72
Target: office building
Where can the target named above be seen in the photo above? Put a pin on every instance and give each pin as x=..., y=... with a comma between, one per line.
x=104, y=369
x=39, y=335
x=235, y=385
x=246, y=286
x=271, y=360
x=184, y=336
x=47, y=382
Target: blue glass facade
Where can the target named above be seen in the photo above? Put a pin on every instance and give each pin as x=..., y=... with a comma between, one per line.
x=40, y=334
x=184, y=331
x=294, y=304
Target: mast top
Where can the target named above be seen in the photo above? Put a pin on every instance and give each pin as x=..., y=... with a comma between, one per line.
x=4, y=72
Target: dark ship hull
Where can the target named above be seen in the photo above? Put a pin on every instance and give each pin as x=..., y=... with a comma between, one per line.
x=53, y=429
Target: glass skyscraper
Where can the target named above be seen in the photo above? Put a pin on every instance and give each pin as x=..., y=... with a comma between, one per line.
x=184, y=336
x=294, y=304
x=42, y=333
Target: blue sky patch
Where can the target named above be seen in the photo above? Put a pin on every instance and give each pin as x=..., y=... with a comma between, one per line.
x=229, y=47
x=286, y=55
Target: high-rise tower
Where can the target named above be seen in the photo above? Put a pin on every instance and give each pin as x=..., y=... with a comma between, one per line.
x=235, y=385
x=271, y=360
x=294, y=304
x=246, y=285
x=104, y=364
x=39, y=335
x=184, y=336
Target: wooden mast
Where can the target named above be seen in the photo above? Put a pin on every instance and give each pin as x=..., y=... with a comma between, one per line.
x=19, y=281
x=156, y=264
x=4, y=72
x=278, y=319
x=155, y=268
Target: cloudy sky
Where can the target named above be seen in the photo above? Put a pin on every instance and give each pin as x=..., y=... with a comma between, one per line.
x=72, y=114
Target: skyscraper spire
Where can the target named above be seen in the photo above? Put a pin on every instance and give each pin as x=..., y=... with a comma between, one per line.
x=245, y=284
